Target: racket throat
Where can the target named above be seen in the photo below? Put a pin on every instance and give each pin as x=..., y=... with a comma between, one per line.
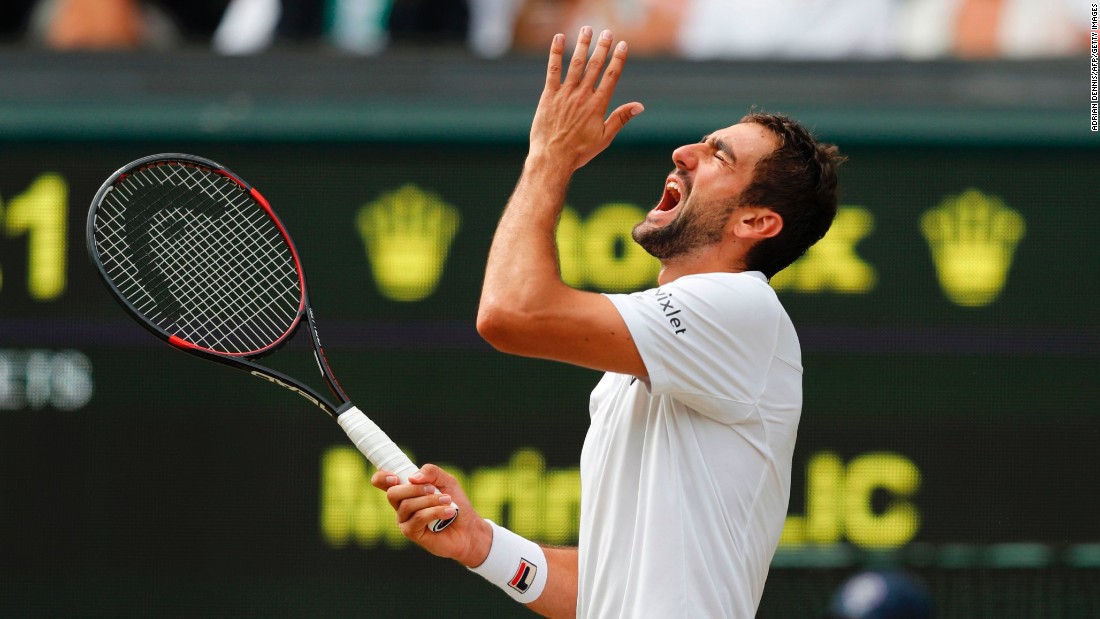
x=322, y=362
x=316, y=401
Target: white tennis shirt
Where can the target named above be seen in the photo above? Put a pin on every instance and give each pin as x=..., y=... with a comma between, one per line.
x=685, y=479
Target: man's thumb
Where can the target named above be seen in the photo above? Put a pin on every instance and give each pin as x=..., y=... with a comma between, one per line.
x=621, y=116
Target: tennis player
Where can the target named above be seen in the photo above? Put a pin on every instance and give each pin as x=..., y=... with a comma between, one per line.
x=685, y=471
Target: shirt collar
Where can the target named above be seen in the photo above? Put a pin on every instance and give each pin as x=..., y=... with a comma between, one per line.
x=757, y=274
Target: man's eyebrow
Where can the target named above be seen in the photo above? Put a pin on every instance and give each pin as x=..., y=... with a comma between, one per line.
x=719, y=145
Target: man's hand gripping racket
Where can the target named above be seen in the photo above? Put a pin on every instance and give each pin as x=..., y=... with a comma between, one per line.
x=198, y=257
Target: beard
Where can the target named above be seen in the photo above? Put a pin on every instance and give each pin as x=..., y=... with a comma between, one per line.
x=695, y=227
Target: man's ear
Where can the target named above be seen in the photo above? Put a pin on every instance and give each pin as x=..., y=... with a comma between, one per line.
x=752, y=222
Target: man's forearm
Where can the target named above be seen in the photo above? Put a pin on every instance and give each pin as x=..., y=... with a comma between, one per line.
x=524, y=302
x=522, y=268
x=559, y=598
x=542, y=578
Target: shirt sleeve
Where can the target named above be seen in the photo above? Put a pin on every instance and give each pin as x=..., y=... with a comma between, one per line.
x=707, y=340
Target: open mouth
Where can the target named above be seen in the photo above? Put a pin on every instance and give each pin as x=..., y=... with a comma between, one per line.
x=672, y=195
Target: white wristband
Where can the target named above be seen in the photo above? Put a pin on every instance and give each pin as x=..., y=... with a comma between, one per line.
x=515, y=564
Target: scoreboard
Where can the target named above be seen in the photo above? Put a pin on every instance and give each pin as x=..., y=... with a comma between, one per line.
x=950, y=341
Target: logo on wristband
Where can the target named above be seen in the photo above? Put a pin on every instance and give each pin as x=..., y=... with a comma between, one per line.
x=524, y=577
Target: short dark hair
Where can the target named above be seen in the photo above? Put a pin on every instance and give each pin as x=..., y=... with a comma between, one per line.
x=798, y=181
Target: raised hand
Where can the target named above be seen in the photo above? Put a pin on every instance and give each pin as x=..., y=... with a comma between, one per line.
x=570, y=127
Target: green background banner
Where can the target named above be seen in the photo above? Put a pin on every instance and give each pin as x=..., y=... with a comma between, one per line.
x=948, y=324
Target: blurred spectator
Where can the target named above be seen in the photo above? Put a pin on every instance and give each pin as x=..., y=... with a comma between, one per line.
x=760, y=29
x=694, y=29
x=15, y=19
x=710, y=29
x=881, y=595
x=492, y=24
x=121, y=24
x=248, y=26
x=429, y=22
x=363, y=27
x=357, y=26
x=788, y=29
x=992, y=28
x=235, y=26
x=94, y=24
x=649, y=26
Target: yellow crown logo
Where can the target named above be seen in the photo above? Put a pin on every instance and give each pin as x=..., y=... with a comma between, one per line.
x=973, y=238
x=408, y=233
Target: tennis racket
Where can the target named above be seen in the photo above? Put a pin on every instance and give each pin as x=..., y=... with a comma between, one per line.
x=198, y=257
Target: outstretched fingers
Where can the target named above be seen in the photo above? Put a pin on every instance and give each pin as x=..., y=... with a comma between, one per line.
x=583, y=70
x=571, y=119
x=622, y=115
x=613, y=73
x=553, y=68
x=580, y=55
x=595, y=64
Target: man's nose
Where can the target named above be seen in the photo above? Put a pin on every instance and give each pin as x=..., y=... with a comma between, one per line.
x=685, y=157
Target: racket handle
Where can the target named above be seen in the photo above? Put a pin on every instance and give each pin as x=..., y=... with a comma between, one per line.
x=373, y=443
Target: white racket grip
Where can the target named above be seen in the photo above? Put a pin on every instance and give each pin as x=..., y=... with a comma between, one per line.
x=382, y=452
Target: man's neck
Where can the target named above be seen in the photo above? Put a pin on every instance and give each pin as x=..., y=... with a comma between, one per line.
x=675, y=268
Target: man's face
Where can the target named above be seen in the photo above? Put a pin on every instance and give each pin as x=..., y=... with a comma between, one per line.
x=703, y=190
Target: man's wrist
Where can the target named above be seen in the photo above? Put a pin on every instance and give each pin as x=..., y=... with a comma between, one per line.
x=479, y=547
x=541, y=165
x=515, y=564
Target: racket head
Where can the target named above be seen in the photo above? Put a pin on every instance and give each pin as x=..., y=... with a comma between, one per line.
x=197, y=256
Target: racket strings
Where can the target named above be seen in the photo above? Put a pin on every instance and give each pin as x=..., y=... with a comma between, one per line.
x=205, y=253
x=212, y=252
x=191, y=269
x=195, y=254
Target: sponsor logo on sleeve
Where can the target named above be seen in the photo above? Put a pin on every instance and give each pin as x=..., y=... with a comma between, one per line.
x=671, y=312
